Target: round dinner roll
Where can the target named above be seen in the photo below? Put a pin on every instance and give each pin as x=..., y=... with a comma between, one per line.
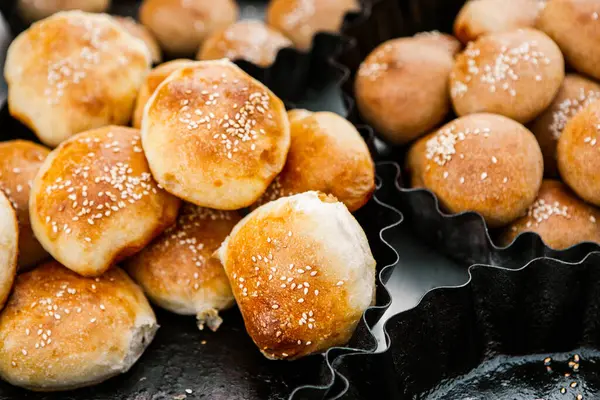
x=61, y=331
x=20, y=161
x=153, y=79
x=72, y=72
x=574, y=26
x=302, y=274
x=141, y=32
x=177, y=271
x=480, y=17
x=33, y=10
x=575, y=93
x=214, y=136
x=515, y=74
x=579, y=153
x=182, y=25
x=252, y=41
x=9, y=247
x=402, y=88
x=559, y=217
x=328, y=155
x=484, y=163
x=300, y=20
x=94, y=201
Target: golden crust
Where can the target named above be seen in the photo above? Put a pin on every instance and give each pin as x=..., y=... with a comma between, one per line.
x=402, y=88
x=416, y=161
x=575, y=93
x=484, y=163
x=559, y=217
x=573, y=25
x=214, y=136
x=439, y=39
x=94, y=201
x=177, y=271
x=252, y=41
x=579, y=153
x=20, y=161
x=300, y=20
x=288, y=262
x=9, y=247
x=182, y=25
x=33, y=10
x=153, y=79
x=515, y=74
x=60, y=331
x=141, y=32
x=72, y=72
x=477, y=18
x=327, y=154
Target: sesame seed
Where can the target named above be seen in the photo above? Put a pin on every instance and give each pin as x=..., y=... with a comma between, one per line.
x=188, y=391
x=275, y=306
x=301, y=300
x=484, y=175
x=24, y=352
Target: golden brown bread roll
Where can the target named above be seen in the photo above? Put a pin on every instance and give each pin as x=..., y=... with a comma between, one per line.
x=61, y=331
x=182, y=25
x=327, y=154
x=515, y=74
x=9, y=247
x=252, y=41
x=94, y=201
x=573, y=25
x=20, y=161
x=141, y=32
x=214, y=136
x=302, y=274
x=480, y=17
x=402, y=88
x=72, y=72
x=177, y=270
x=579, y=153
x=559, y=217
x=153, y=79
x=485, y=163
x=575, y=93
x=300, y=20
x=32, y=10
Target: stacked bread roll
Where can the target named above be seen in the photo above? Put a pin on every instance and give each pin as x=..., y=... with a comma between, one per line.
x=166, y=200
x=520, y=118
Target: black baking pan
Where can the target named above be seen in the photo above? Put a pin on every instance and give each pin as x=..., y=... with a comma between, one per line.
x=183, y=363
x=465, y=236
x=531, y=333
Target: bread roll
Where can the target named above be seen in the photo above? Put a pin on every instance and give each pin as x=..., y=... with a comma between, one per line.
x=327, y=154
x=60, y=331
x=515, y=74
x=153, y=79
x=579, y=153
x=402, y=88
x=94, y=201
x=300, y=20
x=252, y=41
x=480, y=17
x=141, y=32
x=302, y=274
x=575, y=93
x=559, y=217
x=573, y=25
x=177, y=271
x=9, y=247
x=214, y=136
x=20, y=161
x=32, y=10
x=484, y=163
x=72, y=72
x=182, y=25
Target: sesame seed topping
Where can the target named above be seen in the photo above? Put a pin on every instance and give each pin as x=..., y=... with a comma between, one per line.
x=484, y=176
x=568, y=108
x=541, y=211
